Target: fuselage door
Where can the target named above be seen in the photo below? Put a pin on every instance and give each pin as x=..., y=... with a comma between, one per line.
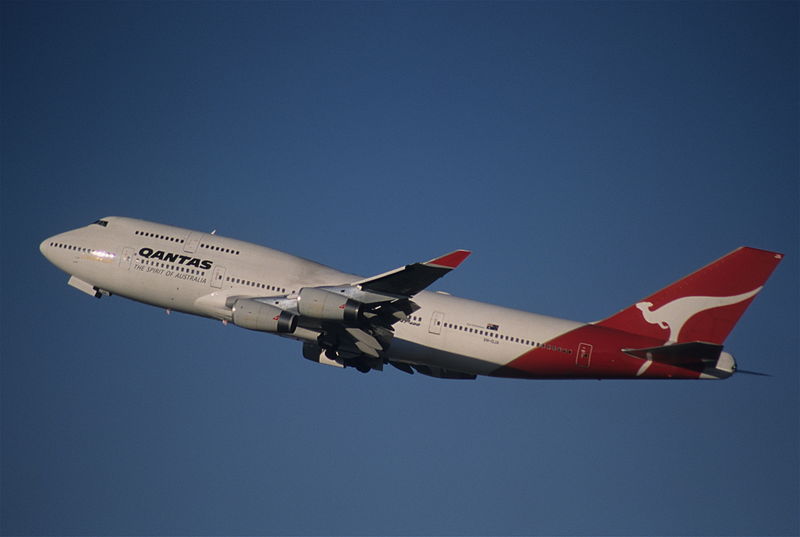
x=192, y=241
x=436, y=322
x=217, y=277
x=584, y=357
x=125, y=259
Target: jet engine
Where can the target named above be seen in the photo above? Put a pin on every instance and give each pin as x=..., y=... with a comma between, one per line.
x=255, y=315
x=328, y=306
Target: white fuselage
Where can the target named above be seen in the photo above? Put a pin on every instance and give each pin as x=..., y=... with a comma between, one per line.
x=675, y=333
x=194, y=272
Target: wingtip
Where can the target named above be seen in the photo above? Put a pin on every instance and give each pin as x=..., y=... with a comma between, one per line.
x=451, y=260
x=761, y=251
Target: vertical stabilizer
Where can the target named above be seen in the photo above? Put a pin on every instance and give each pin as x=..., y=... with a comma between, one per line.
x=703, y=306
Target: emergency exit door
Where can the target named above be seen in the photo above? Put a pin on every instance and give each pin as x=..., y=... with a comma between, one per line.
x=217, y=277
x=125, y=258
x=584, y=357
x=436, y=323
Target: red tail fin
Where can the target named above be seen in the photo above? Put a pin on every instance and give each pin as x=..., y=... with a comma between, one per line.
x=703, y=306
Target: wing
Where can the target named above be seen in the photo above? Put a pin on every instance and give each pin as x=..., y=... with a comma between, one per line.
x=352, y=323
x=374, y=304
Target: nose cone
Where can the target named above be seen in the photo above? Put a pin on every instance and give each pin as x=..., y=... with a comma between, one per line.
x=50, y=250
x=44, y=247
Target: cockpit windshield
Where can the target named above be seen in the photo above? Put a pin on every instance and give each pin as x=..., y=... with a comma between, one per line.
x=103, y=223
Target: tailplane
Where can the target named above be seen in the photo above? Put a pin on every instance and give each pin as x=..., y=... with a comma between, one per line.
x=703, y=306
x=705, y=358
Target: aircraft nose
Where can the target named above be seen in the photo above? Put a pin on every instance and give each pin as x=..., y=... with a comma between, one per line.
x=45, y=247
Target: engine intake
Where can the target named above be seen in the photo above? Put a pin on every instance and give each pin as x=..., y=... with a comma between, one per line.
x=255, y=315
x=322, y=304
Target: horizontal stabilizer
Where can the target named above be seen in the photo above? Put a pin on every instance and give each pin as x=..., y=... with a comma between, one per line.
x=693, y=355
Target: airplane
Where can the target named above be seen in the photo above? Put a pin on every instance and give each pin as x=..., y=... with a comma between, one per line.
x=345, y=320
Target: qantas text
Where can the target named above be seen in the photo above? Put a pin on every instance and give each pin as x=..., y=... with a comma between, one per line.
x=176, y=258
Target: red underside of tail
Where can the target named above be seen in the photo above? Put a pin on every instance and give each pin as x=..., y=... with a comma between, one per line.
x=596, y=352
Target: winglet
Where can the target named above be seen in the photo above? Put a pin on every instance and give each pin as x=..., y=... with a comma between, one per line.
x=411, y=279
x=451, y=260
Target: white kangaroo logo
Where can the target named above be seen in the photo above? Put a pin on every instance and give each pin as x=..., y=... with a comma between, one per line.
x=673, y=315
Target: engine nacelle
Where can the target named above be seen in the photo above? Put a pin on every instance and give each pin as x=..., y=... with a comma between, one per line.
x=322, y=304
x=256, y=315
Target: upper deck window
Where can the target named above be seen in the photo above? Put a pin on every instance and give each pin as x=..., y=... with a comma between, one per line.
x=103, y=223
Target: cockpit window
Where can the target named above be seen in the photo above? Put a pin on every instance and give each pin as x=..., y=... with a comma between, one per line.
x=103, y=223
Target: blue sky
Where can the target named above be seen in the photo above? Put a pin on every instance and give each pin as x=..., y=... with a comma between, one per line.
x=588, y=154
